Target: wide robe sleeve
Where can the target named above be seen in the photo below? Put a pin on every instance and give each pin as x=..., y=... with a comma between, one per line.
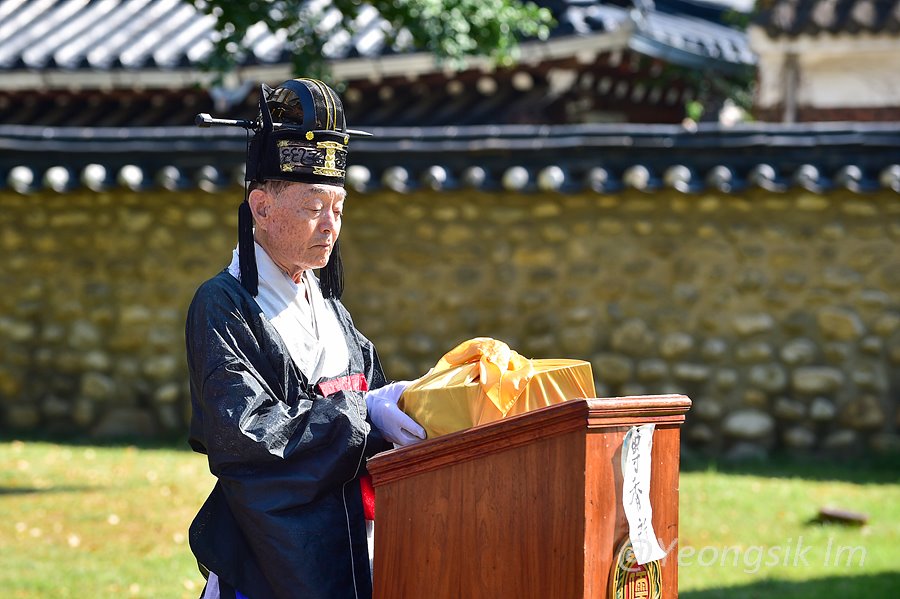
x=282, y=453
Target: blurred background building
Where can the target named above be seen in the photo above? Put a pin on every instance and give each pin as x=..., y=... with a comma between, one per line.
x=697, y=197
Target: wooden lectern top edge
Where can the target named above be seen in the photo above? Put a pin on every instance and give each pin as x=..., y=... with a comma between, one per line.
x=637, y=409
x=575, y=414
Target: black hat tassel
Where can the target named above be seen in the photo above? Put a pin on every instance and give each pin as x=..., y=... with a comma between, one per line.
x=246, y=250
x=331, y=277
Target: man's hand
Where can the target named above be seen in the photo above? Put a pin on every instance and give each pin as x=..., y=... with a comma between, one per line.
x=396, y=426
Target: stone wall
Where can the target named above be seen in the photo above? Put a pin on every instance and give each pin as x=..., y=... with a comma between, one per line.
x=778, y=314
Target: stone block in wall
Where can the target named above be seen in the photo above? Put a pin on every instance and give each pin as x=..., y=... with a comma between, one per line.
x=83, y=412
x=755, y=398
x=634, y=338
x=873, y=301
x=10, y=382
x=163, y=367
x=812, y=380
x=613, y=369
x=419, y=344
x=714, y=349
x=822, y=410
x=96, y=360
x=685, y=293
x=753, y=351
x=789, y=409
x=652, y=370
x=841, y=279
x=864, y=414
x=676, y=345
x=840, y=440
x=748, y=424
x=725, y=379
x=118, y=423
x=97, y=386
x=771, y=378
x=577, y=341
x=22, y=417
x=398, y=368
x=840, y=324
x=838, y=353
x=799, y=352
x=700, y=433
x=885, y=443
x=691, y=373
x=54, y=407
x=169, y=418
x=745, y=451
x=16, y=330
x=537, y=345
x=871, y=345
x=894, y=353
x=167, y=393
x=707, y=408
x=799, y=437
x=200, y=218
x=870, y=376
x=800, y=323
x=747, y=325
x=631, y=389
x=84, y=335
x=886, y=324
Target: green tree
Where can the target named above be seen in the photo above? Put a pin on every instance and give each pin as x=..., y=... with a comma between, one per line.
x=451, y=30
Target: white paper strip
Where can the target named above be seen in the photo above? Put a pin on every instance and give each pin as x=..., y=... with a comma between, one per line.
x=636, y=449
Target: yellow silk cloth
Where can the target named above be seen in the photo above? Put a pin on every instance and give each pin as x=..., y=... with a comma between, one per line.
x=483, y=380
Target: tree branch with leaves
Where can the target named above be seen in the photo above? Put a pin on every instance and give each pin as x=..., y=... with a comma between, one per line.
x=451, y=30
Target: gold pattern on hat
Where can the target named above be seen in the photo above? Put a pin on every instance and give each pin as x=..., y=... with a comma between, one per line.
x=330, y=168
x=309, y=135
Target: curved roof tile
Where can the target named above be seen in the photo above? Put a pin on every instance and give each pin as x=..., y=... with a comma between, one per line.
x=573, y=158
x=72, y=35
x=790, y=18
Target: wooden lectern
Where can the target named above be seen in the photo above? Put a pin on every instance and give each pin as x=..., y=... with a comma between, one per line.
x=527, y=507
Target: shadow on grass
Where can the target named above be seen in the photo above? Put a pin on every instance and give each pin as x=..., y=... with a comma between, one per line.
x=171, y=442
x=884, y=584
x=861, y=469
x=37, y=490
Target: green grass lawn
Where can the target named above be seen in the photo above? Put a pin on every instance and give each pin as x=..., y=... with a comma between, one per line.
x=748, y=531
x=111, y=522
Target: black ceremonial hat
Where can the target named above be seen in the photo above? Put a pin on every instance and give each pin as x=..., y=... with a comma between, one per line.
x=300, y=135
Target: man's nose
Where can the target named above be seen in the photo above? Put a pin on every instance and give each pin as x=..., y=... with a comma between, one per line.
x=328, y=221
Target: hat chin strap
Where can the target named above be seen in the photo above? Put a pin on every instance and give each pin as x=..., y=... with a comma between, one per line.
x=246, y=250
x=331, y=276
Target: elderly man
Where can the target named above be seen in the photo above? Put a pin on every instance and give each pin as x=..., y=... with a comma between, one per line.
x=288, y=398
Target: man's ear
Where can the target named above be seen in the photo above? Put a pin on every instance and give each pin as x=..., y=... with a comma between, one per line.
x=259, y=201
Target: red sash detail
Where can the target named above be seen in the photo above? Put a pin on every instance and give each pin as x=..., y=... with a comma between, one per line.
x=368, y=496
x=352, y=382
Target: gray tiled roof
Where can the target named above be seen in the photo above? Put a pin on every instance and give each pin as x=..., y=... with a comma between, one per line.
x=814, y=17
x=77, y=35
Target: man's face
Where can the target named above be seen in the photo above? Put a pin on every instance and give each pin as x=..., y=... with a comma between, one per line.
x=299, y=225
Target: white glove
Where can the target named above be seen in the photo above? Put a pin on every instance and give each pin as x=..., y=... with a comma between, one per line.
x=397, y=427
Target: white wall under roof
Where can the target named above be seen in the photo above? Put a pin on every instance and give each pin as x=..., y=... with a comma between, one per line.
x=841, y=71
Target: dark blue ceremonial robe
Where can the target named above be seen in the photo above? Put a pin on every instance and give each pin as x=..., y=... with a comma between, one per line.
x=285, y=518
